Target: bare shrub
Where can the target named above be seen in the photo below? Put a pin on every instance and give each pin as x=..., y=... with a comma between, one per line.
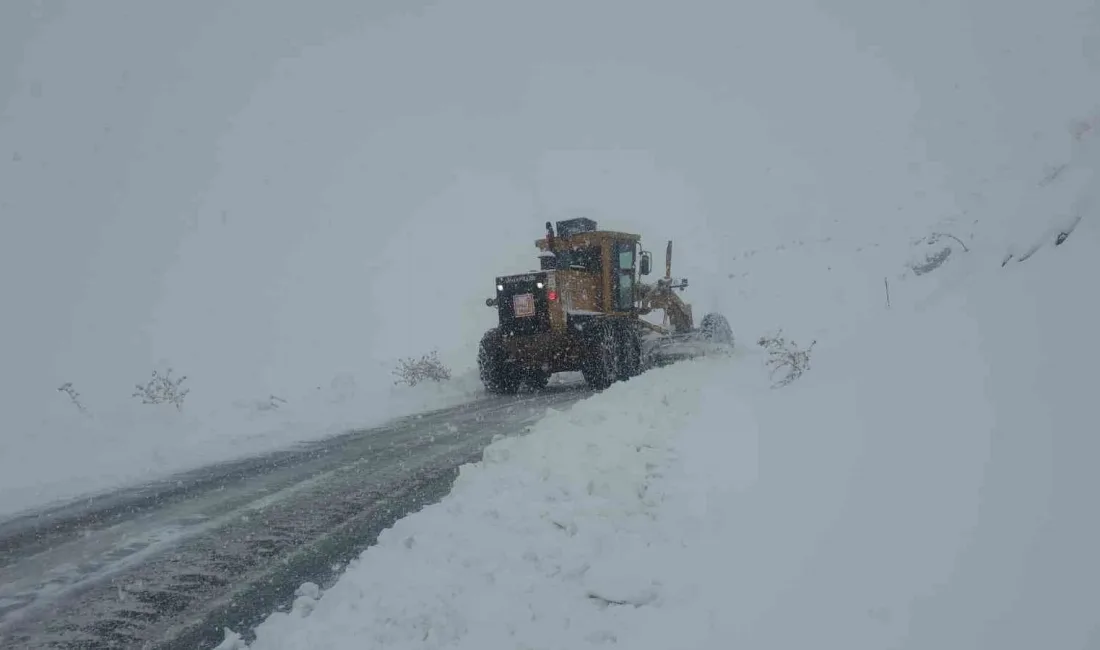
x=937, y=236
x=163, y=390
x=936, y=258
x=931, y=262
x=784, y=355
x=412, y=371
x=74, y=396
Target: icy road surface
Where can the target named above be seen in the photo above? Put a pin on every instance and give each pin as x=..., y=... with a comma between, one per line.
x=171, y=564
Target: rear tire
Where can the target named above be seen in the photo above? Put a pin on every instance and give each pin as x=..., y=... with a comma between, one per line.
x=537, y=379
x=602, y=366
x=497, y=374
x=630, y=352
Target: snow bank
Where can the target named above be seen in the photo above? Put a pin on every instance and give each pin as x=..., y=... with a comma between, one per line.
x=532, y=542
x=68, y=454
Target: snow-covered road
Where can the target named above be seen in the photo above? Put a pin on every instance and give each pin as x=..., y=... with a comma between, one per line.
x=928, y=483
x=175, y=562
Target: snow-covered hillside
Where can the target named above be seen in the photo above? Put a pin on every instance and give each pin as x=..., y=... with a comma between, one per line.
x=271, y=197
x=927, y=483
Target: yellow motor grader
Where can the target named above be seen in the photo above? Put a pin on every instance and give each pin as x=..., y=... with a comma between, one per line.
x=582, y=311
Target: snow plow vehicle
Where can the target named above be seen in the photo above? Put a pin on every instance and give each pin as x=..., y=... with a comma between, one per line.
x=582, y=311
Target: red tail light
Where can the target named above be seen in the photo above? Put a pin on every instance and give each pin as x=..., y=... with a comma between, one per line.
x=552, y=295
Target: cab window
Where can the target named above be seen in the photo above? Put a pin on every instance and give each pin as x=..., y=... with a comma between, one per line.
x=577, y=259
x=624, y=276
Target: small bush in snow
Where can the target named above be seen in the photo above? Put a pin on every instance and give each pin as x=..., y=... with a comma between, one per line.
x=163, y=390
x=784, y=355
x=412, y=371
x=936, y=237
x=936, y=258
x=74, y=396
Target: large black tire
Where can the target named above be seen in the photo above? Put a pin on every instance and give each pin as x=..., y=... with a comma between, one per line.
x=496, y=373
x=536, y=379
x=630, y=352
x=716, y=329
x=602, y=366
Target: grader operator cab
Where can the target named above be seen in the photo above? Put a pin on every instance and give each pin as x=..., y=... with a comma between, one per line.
x=582, y=311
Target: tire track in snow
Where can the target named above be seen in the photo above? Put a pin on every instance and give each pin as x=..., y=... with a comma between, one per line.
x=171, y=564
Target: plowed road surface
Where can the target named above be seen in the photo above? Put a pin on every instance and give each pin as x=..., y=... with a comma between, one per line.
x=169, y=565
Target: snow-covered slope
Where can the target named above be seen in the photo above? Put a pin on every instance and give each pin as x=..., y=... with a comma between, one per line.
x=927, y=483
x=271, y=197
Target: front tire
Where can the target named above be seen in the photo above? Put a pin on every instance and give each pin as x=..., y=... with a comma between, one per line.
x=497, y=374
x=716, y=329
x=602, y=367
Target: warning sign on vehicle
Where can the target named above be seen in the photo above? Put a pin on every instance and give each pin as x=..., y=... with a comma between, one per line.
x=523, y=305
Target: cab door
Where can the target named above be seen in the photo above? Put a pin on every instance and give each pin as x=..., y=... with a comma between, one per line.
x=622, y=279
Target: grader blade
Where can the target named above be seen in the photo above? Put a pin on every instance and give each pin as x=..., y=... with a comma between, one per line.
x=666, y=350
x=712, y=338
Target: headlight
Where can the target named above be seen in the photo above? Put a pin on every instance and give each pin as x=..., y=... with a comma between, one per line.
x=538, y=284
x=500, y=287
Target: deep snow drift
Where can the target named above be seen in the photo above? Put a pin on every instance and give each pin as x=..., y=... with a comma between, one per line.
x=927, y=483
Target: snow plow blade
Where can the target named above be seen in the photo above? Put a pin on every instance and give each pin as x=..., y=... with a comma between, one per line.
x=666, y=350
x=713, y=338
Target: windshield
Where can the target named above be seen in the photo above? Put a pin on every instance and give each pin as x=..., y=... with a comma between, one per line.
x=579, y=259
